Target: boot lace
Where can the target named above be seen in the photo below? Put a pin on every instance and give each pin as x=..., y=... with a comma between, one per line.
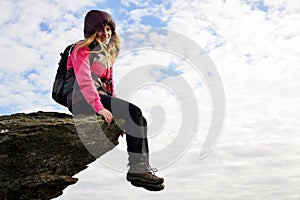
x=152, y=170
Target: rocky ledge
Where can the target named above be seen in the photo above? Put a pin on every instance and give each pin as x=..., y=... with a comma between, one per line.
x=41, y=152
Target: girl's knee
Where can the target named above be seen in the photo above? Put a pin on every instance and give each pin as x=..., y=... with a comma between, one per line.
x=134, y=110
x=137, y=115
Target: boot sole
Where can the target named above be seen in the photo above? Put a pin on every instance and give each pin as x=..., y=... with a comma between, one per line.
x=139, y=180
x=150, y=187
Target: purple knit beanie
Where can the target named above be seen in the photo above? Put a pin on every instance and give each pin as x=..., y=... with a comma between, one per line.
x=94, y=20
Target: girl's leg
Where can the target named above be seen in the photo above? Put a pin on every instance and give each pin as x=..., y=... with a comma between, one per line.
x=135, y=127
x=140, y=173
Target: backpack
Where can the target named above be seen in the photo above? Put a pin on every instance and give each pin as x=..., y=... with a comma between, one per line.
x=59, y=93
x=61, y=88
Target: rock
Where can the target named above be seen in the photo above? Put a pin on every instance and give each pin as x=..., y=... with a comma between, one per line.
x=41, y=152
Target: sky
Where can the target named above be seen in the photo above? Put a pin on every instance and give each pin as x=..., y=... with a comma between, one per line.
x=251, y=45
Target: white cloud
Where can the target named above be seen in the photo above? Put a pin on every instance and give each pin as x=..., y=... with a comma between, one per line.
x=27, y=48
x=6, y=11
x=257, y=57
x=138, y=3
x=256, y=54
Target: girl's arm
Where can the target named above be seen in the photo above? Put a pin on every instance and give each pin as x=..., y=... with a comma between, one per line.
x=81, y=65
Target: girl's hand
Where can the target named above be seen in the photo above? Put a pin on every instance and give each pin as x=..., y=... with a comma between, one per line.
x=107, y=115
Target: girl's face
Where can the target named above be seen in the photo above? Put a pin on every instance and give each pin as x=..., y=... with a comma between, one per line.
x=104, y=34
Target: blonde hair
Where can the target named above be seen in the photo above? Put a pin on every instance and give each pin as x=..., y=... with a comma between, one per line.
x=111, y=50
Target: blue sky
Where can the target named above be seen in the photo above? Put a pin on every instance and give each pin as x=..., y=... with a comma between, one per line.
x=46, y=27
x=254, y=47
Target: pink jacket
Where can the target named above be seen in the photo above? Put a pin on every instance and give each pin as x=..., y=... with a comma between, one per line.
x=83, y=70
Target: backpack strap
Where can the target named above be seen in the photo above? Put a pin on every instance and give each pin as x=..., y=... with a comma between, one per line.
x=71, y=49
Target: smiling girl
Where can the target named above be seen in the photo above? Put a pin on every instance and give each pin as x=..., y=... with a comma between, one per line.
x=92, y=63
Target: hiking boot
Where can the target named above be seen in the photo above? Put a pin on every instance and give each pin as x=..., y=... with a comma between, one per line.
x=142, y=175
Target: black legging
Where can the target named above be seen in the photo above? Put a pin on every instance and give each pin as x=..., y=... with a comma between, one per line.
x=135, y=125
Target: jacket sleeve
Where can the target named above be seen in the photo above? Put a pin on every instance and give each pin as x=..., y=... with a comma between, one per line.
x=81, y=65
x=112, y=82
